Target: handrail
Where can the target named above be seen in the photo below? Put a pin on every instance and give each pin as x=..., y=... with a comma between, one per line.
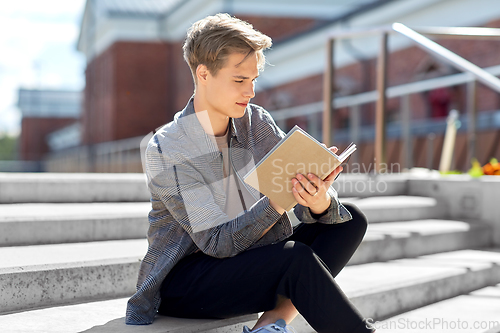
x=381, y=93
x=460, y=32
x=371, y=96
x=456, y=32
x=448, y=56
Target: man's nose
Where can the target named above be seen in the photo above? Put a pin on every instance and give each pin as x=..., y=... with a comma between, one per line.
x=250, y=91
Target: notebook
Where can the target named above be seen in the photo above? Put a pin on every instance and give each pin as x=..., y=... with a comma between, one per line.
x=297, y=152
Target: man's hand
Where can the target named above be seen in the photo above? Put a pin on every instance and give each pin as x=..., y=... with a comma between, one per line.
x=310, y=191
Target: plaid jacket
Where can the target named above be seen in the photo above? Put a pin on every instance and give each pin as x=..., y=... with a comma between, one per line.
x=184, y=172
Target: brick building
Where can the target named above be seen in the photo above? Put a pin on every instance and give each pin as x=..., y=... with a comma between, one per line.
x=136, y=78
x=43, y=112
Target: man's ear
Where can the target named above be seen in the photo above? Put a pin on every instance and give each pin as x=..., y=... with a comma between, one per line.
x=202, y=74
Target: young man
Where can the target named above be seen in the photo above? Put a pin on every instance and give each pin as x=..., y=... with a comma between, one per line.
x=217, y=248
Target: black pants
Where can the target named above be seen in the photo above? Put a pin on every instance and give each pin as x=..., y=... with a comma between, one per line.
x=301, y=268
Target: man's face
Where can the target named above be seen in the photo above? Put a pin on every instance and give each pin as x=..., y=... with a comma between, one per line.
x=230, y=90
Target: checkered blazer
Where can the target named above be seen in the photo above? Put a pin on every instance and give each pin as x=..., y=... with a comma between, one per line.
x=184, y=171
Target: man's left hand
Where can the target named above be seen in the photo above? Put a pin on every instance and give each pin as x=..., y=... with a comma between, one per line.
x=310, y=191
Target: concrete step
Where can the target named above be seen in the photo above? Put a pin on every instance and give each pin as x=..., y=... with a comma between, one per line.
x=72, y=187
x=399, y=208
x=78, y=266
x=361, y=184
x=53, y=223
x=385, y=289
x=108, y=316
x=409, y=239
x=379, y=290
x=83, y=222
x=47, y=275
x=117, y=187
x=475, y=312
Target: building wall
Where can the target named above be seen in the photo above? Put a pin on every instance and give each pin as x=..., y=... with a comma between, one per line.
x=142, y=89
x=98, y=98
x=129, y=91
x=33, y=144
x=280, y=28
x=183, y=86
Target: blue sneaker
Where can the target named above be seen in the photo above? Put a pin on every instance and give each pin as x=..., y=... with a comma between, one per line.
x=279, y=326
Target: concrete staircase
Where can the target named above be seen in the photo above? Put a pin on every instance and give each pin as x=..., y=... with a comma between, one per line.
x=70, y=248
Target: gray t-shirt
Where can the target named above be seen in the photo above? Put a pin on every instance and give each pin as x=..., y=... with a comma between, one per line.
x=234, y=206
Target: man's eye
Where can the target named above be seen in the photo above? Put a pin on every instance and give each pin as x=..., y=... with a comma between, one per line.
x=239, y=81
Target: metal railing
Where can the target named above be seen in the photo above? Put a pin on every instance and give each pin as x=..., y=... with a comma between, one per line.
x=402, y=91
x=417, y=36
x=113, y=156
x=124, y=155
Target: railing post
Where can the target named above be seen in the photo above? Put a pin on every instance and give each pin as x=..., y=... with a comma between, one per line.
x=380, y=144
x=355, y=124
x=313, y=125
x=471, y=121
x=328, y=86
x=449, y=142
x=406, y=138
x=431, y=137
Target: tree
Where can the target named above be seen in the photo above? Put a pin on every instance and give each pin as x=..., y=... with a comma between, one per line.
x=8, y=146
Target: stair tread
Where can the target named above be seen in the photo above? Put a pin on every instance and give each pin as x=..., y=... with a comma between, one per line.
x=100, y=316
x=18, y=256
x=64, y=211
x=391, y=201
x=66, y=318
x=67, y=187
x=41, y=211
x=83, y=222
x=398, y=208
x=421, y=227
x=359, y=279
x=57, y=254
x=477, y=311
x=27, y=177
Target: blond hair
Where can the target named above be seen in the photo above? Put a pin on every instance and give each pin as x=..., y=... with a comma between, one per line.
x=210, y=40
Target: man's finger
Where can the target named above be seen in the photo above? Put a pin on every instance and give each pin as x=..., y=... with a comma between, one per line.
x=331, y=176
x=298, y=197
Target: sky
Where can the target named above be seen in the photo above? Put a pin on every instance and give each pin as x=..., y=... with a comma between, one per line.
x=37, y=50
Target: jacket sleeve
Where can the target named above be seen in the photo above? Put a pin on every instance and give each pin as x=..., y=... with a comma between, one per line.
x=186, y=195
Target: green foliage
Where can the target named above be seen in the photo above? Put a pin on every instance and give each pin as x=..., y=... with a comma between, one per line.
x=451, y=172
x=476, y=170
x=8, y=146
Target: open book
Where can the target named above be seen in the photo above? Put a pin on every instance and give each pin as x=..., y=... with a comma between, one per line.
x=297, y=152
